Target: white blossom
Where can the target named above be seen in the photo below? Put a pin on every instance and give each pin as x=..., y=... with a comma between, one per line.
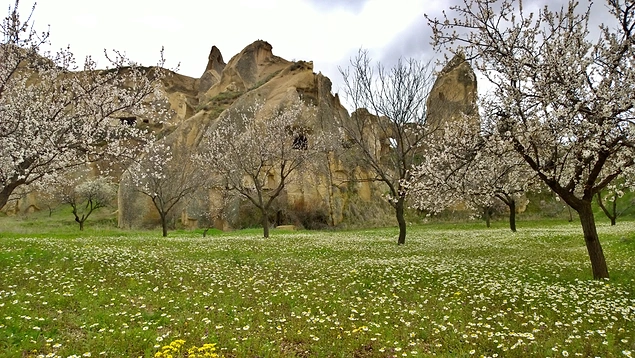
x=256, y=151
x=563, y=99
x=54, y=117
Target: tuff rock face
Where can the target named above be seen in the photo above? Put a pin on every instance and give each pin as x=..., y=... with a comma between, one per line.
x=253, y=65
x=181, y=93
x=256, y=74
x=453, y=95
x=212, y=74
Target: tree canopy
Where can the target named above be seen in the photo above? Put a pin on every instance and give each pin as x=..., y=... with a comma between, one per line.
x=55, y=114
x=562, y=98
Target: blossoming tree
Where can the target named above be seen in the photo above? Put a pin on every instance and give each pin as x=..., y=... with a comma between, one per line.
x=257, y=151
x=609, y=198
x=464, y=165
x=396, y=100
x=53, y=117
x=86, y=196
x=168, y=175
x=562, y=98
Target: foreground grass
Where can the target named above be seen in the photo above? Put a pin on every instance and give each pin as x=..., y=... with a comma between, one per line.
x=447, y=292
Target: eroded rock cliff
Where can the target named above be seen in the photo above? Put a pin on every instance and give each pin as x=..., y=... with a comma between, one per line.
x=453, y=95
x=257, y=75
x=343, y=192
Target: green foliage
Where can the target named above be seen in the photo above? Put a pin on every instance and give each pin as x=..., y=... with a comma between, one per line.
x=625, y=205
x=545, y=205
x=455, y=290
x=248, y=216
x=312, y=218
x=59, y=223
x=360, y=213
x=226, y=97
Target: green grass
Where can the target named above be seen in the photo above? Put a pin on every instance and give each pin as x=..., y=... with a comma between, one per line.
x=453, y=290
x=61, y=224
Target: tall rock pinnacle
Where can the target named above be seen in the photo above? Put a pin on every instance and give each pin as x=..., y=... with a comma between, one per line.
x=213, y=71
x=453, y=94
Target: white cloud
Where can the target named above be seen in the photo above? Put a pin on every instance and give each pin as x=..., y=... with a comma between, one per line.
x=328, y=33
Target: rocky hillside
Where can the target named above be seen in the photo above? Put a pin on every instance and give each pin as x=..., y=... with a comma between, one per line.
x=257, y=75
x=254, y=74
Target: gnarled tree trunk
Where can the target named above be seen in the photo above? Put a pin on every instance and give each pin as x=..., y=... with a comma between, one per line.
x=594, y=248
x=6, y=191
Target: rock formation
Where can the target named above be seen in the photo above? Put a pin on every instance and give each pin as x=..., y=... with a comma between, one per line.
x=453, y=95
x=256, y=74
x=181, y=93
x=254, y=65
x=212, y=73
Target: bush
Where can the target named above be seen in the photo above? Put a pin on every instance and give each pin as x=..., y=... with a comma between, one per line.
x=248, y=216
x=310, y=218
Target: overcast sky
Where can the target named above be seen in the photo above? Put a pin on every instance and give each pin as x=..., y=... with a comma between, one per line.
x=327, y=32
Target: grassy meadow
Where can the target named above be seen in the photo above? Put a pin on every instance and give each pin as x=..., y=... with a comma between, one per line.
x=454, y=290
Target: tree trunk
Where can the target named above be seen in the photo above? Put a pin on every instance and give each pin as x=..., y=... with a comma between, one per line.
x=399, y=211
x=265, y=224
x=611, y=215
x=4, y=197
x=330, y=191
x=5, y=193
x=164, y=224
x=77, y=219
x=512, y=214
x=278, y=217
x=488, y=216
x=598, y=262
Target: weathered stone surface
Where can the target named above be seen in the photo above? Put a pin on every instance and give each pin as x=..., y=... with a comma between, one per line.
x=215, y=61
x=453, y=94
x=213, y=71
x=22, y=203
x=377, y=131
x=255, y=63
x=255, y=74
x=180, y=93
